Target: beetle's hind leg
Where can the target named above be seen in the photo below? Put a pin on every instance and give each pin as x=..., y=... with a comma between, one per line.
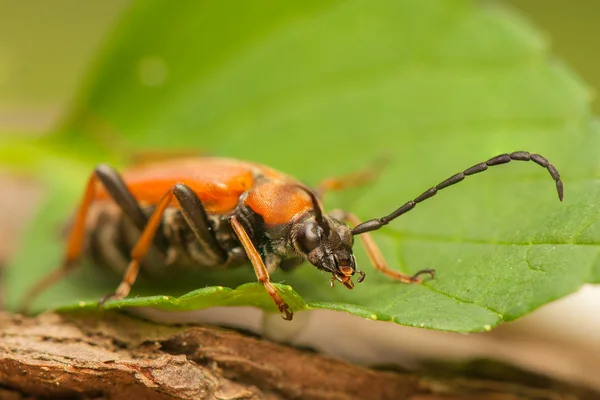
x=117, y=190
x=194, y=214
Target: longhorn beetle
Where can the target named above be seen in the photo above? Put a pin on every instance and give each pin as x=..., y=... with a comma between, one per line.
x=219, y=213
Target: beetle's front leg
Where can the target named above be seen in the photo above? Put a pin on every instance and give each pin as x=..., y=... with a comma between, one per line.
x=262, y=274
x=376, y=257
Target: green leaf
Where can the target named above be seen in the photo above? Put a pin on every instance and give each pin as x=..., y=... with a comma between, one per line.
x=322, y=88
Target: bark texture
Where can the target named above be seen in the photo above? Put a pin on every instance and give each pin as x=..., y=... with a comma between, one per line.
x=108, y=355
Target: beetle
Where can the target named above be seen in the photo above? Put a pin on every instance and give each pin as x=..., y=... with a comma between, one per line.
x=219, y=213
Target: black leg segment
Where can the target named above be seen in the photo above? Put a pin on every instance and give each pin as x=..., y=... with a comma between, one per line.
x=118, y=191
x=195, y=215
x=375, y=224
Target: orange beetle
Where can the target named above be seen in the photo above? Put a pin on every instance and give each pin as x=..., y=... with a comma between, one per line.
x=217, y=212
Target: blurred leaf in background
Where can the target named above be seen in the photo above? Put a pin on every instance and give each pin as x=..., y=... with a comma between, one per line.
x=44, y=46
x=321, y=88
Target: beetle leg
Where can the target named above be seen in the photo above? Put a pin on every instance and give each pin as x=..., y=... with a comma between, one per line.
x=140, y=249
x=379, y=262
x=118, y=191
x=194, y=214
x=351, y=180
x=259, y=268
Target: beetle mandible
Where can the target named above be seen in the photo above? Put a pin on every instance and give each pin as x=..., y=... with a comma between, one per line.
x=219, y=213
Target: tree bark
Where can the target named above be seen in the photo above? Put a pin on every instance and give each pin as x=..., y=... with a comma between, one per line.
x=108, y=355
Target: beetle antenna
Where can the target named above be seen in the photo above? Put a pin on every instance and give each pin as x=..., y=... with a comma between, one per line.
x=377, y=223
x=317, y=209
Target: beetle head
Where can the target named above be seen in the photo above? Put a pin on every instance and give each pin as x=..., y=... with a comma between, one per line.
x=327, y=244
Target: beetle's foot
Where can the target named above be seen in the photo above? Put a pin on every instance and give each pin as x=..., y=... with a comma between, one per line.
x=286, y=312
x=362, y=276
x=121, y=292
x=105, y=298
x=416, y=278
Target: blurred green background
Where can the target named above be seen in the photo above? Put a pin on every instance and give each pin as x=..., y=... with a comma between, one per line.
x=46, y=46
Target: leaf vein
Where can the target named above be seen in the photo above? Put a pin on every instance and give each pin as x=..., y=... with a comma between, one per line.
x=528, y=262
x=462, y=300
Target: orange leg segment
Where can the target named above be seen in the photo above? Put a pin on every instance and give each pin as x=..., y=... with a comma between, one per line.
x=260, y=269
x=74, y=248
x=113, y=183
x=379, y=262
x=141, y=248
x=351, y=180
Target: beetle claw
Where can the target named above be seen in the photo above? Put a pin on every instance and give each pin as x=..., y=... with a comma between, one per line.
x=362, y=276
x=110, y=296
x=105, y=298
x=428, y=271
x=286, y=313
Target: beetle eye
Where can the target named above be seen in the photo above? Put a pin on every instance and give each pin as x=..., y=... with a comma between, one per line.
x=309, y=238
